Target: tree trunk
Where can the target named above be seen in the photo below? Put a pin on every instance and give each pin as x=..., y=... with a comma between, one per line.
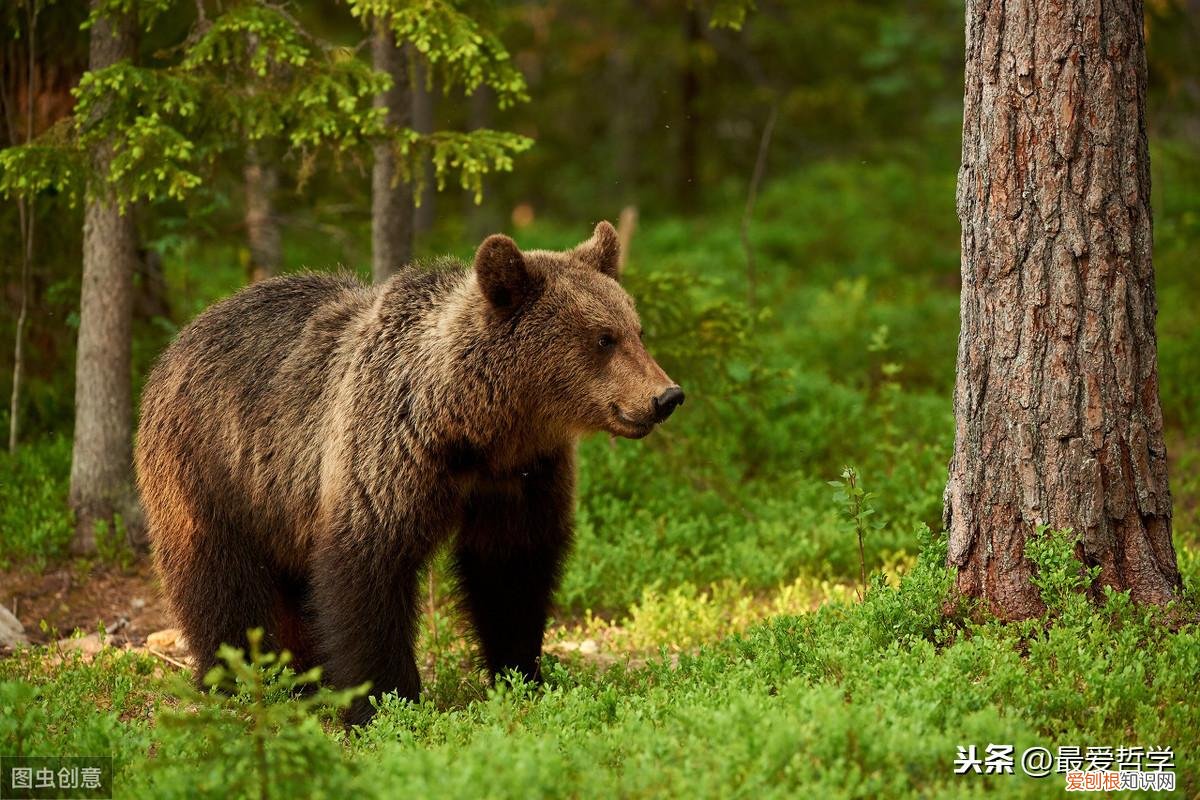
x=26, y=213
x=625, y=118
x=422, y=121
x=1058, y=420
x=483, y=219
x=26, y=216
x=262, y=226
x=101, y=471
x=689, y=92
x=391, y=200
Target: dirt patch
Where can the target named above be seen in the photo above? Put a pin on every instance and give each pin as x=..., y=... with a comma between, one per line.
x=82, y=595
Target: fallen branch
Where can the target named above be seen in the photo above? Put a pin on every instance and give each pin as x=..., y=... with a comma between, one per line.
x=167, y=658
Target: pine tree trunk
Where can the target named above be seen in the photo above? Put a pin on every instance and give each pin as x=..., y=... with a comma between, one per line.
x=422, y=119
x=262, y=226
x=391, y=201
x=1057, y=409
x=101, y=471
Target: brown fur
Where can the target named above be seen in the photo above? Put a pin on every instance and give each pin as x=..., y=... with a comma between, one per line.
x=306, y=444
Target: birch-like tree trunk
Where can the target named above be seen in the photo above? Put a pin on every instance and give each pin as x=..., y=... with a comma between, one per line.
x=27, y=219
x=391, y=200
x=101, y=466
x=262, y=226
x=1057, y=409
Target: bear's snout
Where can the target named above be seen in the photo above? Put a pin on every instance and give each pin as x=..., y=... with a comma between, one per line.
x=667, y=402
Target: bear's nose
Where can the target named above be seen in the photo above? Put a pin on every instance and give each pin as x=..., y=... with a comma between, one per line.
x=666, y=402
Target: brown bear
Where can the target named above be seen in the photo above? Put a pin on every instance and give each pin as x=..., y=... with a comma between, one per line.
x=308, y=443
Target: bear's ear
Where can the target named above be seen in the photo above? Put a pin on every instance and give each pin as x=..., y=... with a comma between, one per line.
x=502, y=273
x=603, y=250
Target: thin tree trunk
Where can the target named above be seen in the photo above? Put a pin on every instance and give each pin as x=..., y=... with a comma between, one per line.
x=422, y=121
x=623, y=120
x=482, y=218
x=760, y=166
x=1058, y=416
x=391, y=200
x=26, y=214
x=626, y=227
x=689, y=92
x=262, y=226
x=101, y=471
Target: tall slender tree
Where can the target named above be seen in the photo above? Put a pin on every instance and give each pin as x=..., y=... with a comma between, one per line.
x=455, y=50
x=101, y=465
x=687, y=186
x=422, y=122
x=392, y=214
x=261, y=180
x=26, y=207
x=1057, y=408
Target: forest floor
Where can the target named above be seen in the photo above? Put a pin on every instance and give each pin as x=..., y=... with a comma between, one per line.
x=840, y=697
x=88, y=604
x=53, y=603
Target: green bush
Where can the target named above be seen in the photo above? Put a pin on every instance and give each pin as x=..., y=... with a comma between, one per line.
x=852, y=700
x=34, y=519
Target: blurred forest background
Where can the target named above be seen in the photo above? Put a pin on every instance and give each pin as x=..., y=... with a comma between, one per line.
x=815, y=324
x=785, y=176
x=795, y=255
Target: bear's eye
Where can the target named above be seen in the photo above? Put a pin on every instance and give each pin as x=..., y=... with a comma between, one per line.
x=605, y=342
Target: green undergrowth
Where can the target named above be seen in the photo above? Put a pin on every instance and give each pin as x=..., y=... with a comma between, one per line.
x=853, y=699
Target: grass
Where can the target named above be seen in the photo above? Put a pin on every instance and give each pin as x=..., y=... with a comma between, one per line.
x=716, y=573
x=850, y=700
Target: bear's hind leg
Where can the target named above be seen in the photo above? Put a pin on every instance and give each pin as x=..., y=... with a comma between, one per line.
x=218, y=589
x=294, y=620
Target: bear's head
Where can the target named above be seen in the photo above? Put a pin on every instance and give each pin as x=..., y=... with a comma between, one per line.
x=563, y=322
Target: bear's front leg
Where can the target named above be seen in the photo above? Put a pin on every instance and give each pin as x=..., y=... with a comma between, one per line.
x=508, y=559
x=367, y=605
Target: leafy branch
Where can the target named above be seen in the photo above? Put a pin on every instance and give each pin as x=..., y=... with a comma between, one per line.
x=456, y=46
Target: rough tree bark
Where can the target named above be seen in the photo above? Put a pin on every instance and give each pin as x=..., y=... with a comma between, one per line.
x=391, y=201
x=101, y=466
x=1057, y=409
x=262, y=226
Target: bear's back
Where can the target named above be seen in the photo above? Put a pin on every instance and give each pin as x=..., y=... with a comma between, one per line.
x=233, y=352
x=234, y=404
